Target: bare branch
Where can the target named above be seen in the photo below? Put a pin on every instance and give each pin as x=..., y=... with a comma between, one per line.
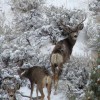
x=34, y=98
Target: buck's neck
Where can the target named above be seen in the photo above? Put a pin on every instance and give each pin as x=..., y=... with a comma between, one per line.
x=71, y=41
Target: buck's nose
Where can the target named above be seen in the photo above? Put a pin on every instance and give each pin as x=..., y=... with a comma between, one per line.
x=75, y=36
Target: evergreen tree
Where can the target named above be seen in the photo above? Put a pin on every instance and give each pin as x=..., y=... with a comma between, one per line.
x=93, y=92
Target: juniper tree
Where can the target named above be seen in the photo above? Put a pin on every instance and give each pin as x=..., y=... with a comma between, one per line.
x=93, y=91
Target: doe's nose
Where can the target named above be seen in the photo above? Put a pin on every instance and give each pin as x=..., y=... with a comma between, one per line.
x=11, y=95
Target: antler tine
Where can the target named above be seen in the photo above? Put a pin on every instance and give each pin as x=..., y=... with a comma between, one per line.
x=80, y=25
x=82, y=20
x=61, y=21
x=66, y=29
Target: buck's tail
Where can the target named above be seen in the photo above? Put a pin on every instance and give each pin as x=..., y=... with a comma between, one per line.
x=56, y=58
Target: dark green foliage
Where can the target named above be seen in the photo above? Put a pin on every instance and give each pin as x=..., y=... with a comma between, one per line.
x=92, y=92
x=95, y=80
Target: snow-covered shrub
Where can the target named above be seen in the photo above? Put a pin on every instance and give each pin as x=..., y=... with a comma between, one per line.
x=77, y=72
x=26, y=5
x=28, y=15
x=75, y=77
x=71, y=18
x=2, y=20
x=95, y=6
x=93, y=34
x=93, y=26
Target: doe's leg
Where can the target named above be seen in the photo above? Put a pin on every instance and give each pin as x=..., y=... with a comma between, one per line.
x=49, y=87
x=32, y=87
x=41, y=92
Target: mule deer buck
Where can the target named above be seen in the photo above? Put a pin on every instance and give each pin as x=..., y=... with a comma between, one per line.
x=39, y=76
x=63, y=49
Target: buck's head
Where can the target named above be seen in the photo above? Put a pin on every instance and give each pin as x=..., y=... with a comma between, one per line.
x=71, y=32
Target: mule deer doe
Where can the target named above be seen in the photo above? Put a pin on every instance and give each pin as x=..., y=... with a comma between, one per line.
x=10, y=87
x=63, y=49
x=39, y=76
x=11, y=92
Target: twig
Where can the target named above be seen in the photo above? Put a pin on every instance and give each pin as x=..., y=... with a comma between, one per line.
x=34, y=98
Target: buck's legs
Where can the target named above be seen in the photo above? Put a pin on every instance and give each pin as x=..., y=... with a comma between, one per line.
x=56, y=76
x=32, y=87
x=55, y=83
x=41, y=92
x=60, y=66
x=53, y=70
x=49, y=91
x=37, y=92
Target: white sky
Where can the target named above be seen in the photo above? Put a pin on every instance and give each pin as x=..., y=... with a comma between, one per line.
x=69, y=4
x=6, y=9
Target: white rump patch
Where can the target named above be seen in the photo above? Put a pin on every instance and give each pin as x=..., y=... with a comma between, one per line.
x=56, y=58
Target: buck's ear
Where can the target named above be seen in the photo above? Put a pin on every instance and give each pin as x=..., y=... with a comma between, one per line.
x=80, y=27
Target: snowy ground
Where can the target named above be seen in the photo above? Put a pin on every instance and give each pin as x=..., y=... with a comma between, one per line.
x=26, y=91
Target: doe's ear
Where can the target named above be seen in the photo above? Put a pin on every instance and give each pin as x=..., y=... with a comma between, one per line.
x=4, y=87
x=17, y=86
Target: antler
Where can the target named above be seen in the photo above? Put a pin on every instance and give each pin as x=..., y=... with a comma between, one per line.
x=66, y=29
x=80, y=25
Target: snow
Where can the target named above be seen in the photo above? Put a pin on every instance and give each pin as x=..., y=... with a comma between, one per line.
x=26, y=91
x=47, y=48
x=69, y=4
x=5, y=8
x=57, y=3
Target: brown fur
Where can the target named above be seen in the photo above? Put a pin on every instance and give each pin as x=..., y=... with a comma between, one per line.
x=60, y=54
x=11, y=94
x=62, y=51
x=39, y=76
x=11, y=88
